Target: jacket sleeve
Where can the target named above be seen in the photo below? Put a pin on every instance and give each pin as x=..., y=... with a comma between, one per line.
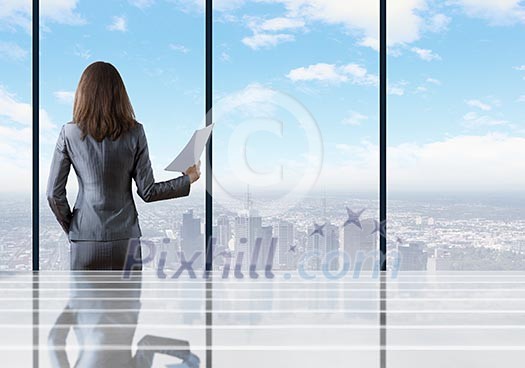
x=56, y=185
x=147, y=189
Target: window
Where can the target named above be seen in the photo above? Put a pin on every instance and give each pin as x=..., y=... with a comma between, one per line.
x=455, y=134
x=456, y=175
x=15, y=136
x=295, y=149
x=159, y=51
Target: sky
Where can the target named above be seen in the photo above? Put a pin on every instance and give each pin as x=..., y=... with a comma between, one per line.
x=295, y=88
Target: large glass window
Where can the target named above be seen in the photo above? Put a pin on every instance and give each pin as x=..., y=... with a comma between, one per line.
x=456, y=178
x=15, y=186
x=15, y=135
x=456, y=136
x=296, y=161
x=158, y=47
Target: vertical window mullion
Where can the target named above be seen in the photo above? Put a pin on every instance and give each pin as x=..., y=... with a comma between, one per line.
x=209, y=177
x=382, y=133
x=382, y=180
x=35, y=195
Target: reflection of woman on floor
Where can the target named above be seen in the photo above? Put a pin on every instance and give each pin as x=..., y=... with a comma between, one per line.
x=105, y=322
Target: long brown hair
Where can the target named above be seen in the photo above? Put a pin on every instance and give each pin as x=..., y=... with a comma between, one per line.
x=102, y=107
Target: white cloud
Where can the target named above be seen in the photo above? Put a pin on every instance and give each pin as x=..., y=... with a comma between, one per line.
x=474, y=120
x=473, y=163
x=265, y=40
x=520, y=68
x=252, y=100
x=426, y=54
x=280, y=24
x=15, y=140
x=405, y=21
x=119, y=24
x=220, y=5
x=11, y=50
x=65, y=97
x=268, y=33
x=142, y=4
x=180, y=48
x=225, y=57
x=497, y=12
x=17, y=13
x=434, y=81
x=61, y=11
x=395, y=91
x=371, y=42
x=438, y=23
x=354, y=119
x=480, y=105
x=12, y=110
x=320, y=72
x=352, y=73
x=521, y=98
x=82, y=52
x=45, y=120
x=15, y=159
x=408, y=19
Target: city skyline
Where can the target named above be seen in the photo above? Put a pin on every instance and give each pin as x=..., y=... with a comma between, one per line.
x=460, y=238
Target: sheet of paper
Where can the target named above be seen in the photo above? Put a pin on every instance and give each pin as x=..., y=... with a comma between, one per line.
x=192, y=152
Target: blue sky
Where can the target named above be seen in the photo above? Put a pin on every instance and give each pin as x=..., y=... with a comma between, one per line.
x=456, y=86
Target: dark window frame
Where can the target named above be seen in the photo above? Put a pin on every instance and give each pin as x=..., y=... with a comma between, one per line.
x=209, y=148
x=35, y=60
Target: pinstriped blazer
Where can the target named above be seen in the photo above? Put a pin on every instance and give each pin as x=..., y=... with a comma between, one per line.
x=104, y=209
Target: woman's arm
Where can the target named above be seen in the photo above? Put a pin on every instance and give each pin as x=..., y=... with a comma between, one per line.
x=56, y=185
x=147, y=189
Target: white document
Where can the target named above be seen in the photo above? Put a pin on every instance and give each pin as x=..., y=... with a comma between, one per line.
x=192, y=152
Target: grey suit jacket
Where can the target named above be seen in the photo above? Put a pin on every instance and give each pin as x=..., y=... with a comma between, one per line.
x=104, y=208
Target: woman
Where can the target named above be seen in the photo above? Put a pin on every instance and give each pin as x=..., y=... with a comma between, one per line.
x=107, y=148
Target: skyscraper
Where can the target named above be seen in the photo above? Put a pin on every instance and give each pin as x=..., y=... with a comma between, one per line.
x=412, y=257
x=361, y=242
x=331, y=245
x=266, y=242
x=223, y=232
x=323, y=243
x=440, y=260
x=241, y=236
x=254, y=232
x=191, y=237
x=285, y=239
x=248, y=227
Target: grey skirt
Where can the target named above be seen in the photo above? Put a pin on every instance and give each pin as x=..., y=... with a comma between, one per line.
x=112, y=255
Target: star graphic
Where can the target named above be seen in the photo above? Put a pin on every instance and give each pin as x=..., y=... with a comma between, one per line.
x=379, y=227
x=318, y=229
x=353, y=217
x=292, y=248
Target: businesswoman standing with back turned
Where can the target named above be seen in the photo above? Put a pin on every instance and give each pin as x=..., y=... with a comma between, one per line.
x=107, y=148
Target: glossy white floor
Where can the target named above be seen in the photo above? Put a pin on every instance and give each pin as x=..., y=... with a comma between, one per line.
x=102, y=320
